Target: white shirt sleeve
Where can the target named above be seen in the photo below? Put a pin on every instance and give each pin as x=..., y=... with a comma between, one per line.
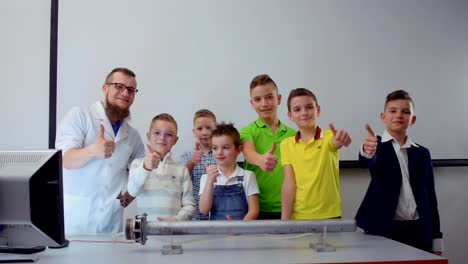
x=202, y=183
x=70, y=131
x=188, y=203
x=364, y=154
x=251, y=186
x=438, y=245
x=137, y=177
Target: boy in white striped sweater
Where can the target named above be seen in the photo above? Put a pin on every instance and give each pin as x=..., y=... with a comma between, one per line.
x=162, y=186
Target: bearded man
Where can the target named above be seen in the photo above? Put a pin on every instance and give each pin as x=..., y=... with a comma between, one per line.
x=98, y=144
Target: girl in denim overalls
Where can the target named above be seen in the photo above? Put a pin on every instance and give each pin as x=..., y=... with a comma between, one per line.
x=228, y=192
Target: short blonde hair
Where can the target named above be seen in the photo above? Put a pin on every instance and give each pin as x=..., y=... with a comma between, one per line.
x=164, y=117
x=204, y=113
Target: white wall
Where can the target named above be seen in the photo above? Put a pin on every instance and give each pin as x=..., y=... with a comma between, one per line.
x=24, y=74
x=203, y=54
x=24, y=26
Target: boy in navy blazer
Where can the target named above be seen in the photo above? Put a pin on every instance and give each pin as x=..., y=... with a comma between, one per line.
x=400, y=202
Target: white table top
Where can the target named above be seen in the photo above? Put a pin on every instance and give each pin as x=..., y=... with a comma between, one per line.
x=294, y=248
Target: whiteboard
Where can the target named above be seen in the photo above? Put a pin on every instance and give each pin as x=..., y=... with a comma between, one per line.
x=189, y=55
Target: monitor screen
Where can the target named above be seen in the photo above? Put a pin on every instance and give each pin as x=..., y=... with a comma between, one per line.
x=31, y=199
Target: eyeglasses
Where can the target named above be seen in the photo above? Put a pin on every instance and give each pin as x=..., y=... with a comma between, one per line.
x=121, y=87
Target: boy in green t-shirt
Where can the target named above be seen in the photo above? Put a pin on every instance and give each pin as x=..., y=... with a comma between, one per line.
x=260, y=143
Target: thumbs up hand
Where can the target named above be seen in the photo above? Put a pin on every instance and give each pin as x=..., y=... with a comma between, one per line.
x=370, y=143
x=197, y=154
x=212, y=172
x=340, y=137
x=273, y=148
x=103, y=148
x=152, y=159
x=268, y=160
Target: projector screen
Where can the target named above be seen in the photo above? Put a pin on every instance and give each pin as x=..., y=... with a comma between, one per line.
x=189, y=55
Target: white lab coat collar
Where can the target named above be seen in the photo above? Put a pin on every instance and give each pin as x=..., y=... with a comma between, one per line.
x=409, y=142
x=100, y=113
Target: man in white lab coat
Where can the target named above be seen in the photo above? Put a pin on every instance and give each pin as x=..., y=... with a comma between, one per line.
x=98, y=145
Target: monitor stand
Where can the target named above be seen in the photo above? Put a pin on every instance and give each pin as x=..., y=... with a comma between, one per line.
x=65, y=244
x=21, y=250
x=19, y=254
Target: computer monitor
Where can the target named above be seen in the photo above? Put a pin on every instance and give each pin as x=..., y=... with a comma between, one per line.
x=31, y=199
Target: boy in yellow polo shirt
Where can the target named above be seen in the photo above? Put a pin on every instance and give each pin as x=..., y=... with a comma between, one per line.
x=311, y=187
